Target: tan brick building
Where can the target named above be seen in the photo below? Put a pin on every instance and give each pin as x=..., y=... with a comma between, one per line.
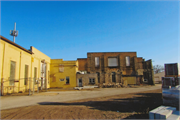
x=117, y=67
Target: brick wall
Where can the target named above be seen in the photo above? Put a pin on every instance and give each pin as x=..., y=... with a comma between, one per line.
x=82, y=64
x=106, y=73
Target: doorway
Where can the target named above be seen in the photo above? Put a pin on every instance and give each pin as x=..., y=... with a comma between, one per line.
x=113, y=77
x=80, y=82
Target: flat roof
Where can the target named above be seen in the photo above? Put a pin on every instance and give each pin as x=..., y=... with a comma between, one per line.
x=14, y=44
x=111, y=52
x=81, y=58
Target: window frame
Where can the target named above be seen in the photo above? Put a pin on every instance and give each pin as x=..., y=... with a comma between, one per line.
x=92, y=80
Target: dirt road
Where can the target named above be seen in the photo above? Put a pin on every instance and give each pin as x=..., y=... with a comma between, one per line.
x=132, y=105
x=8, y=102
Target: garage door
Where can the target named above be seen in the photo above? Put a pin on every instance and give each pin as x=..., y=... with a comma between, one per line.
x=130, y=80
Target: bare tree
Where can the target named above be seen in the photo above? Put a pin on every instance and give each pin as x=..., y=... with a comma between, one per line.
x=158, y=68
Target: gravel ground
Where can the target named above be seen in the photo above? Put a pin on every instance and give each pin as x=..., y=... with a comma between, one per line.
x=127, y=106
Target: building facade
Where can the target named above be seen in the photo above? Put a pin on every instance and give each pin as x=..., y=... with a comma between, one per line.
x=158, y=77
x=118, y=67
x=63, y=73
x=22, y=69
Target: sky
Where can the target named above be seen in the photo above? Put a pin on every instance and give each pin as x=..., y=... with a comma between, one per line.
x=69, y=29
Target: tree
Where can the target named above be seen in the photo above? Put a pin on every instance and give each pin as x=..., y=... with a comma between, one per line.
x=158, y=68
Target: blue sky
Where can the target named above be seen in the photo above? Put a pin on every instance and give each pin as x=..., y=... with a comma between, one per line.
x=70, y=29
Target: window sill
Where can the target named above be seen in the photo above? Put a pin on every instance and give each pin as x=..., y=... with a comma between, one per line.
x=66, y=84
x=113, y=66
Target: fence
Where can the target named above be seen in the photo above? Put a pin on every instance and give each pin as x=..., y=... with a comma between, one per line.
x=31, y=85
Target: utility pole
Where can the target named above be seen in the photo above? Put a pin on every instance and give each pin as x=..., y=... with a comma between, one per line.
x=14, y=32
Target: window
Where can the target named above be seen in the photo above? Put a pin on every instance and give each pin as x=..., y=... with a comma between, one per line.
x=96, y=61
x=61, y=79
x=67, y=80
x=92, y=80
x=113, y=62
x=26, y=75
x=127, y=61
x=12, y=73
x=35, y=74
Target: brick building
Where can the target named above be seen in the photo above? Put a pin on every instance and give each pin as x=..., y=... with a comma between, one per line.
x=117, y=67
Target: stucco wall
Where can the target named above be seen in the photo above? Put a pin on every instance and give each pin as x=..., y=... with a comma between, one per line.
x=12, y=52
x=70, y=69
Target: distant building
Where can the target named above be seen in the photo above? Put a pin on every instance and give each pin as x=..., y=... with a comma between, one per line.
x=158, y=77
x=117, y=67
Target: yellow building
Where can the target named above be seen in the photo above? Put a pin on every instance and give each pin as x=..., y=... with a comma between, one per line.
x=63, y=73
x=20, y=69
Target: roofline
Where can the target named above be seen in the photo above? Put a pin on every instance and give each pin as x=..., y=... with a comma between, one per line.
x=111, y=52
x=64, y=60
x=14, y=44
x=171, y=63
x=81, y=58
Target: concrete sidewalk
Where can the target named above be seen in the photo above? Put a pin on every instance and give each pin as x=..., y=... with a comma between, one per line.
x=8, y=102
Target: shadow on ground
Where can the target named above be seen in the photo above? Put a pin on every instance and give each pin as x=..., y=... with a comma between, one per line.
x=139, y=105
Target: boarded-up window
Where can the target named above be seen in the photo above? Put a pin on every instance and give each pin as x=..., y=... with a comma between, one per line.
x=54, y=79
x=96, y=61
x=61, y=68
x=67, y=80
x=112, y=62
x=127, y=61
x=35, y=74
x=12, y=73
x=26, y=75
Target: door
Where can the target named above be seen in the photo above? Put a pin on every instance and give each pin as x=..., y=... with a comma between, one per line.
x=43, y=75
x=80, y=82
x=12, y=73
x=113, y=77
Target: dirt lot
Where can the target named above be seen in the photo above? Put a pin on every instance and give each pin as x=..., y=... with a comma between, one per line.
x=134, y=105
